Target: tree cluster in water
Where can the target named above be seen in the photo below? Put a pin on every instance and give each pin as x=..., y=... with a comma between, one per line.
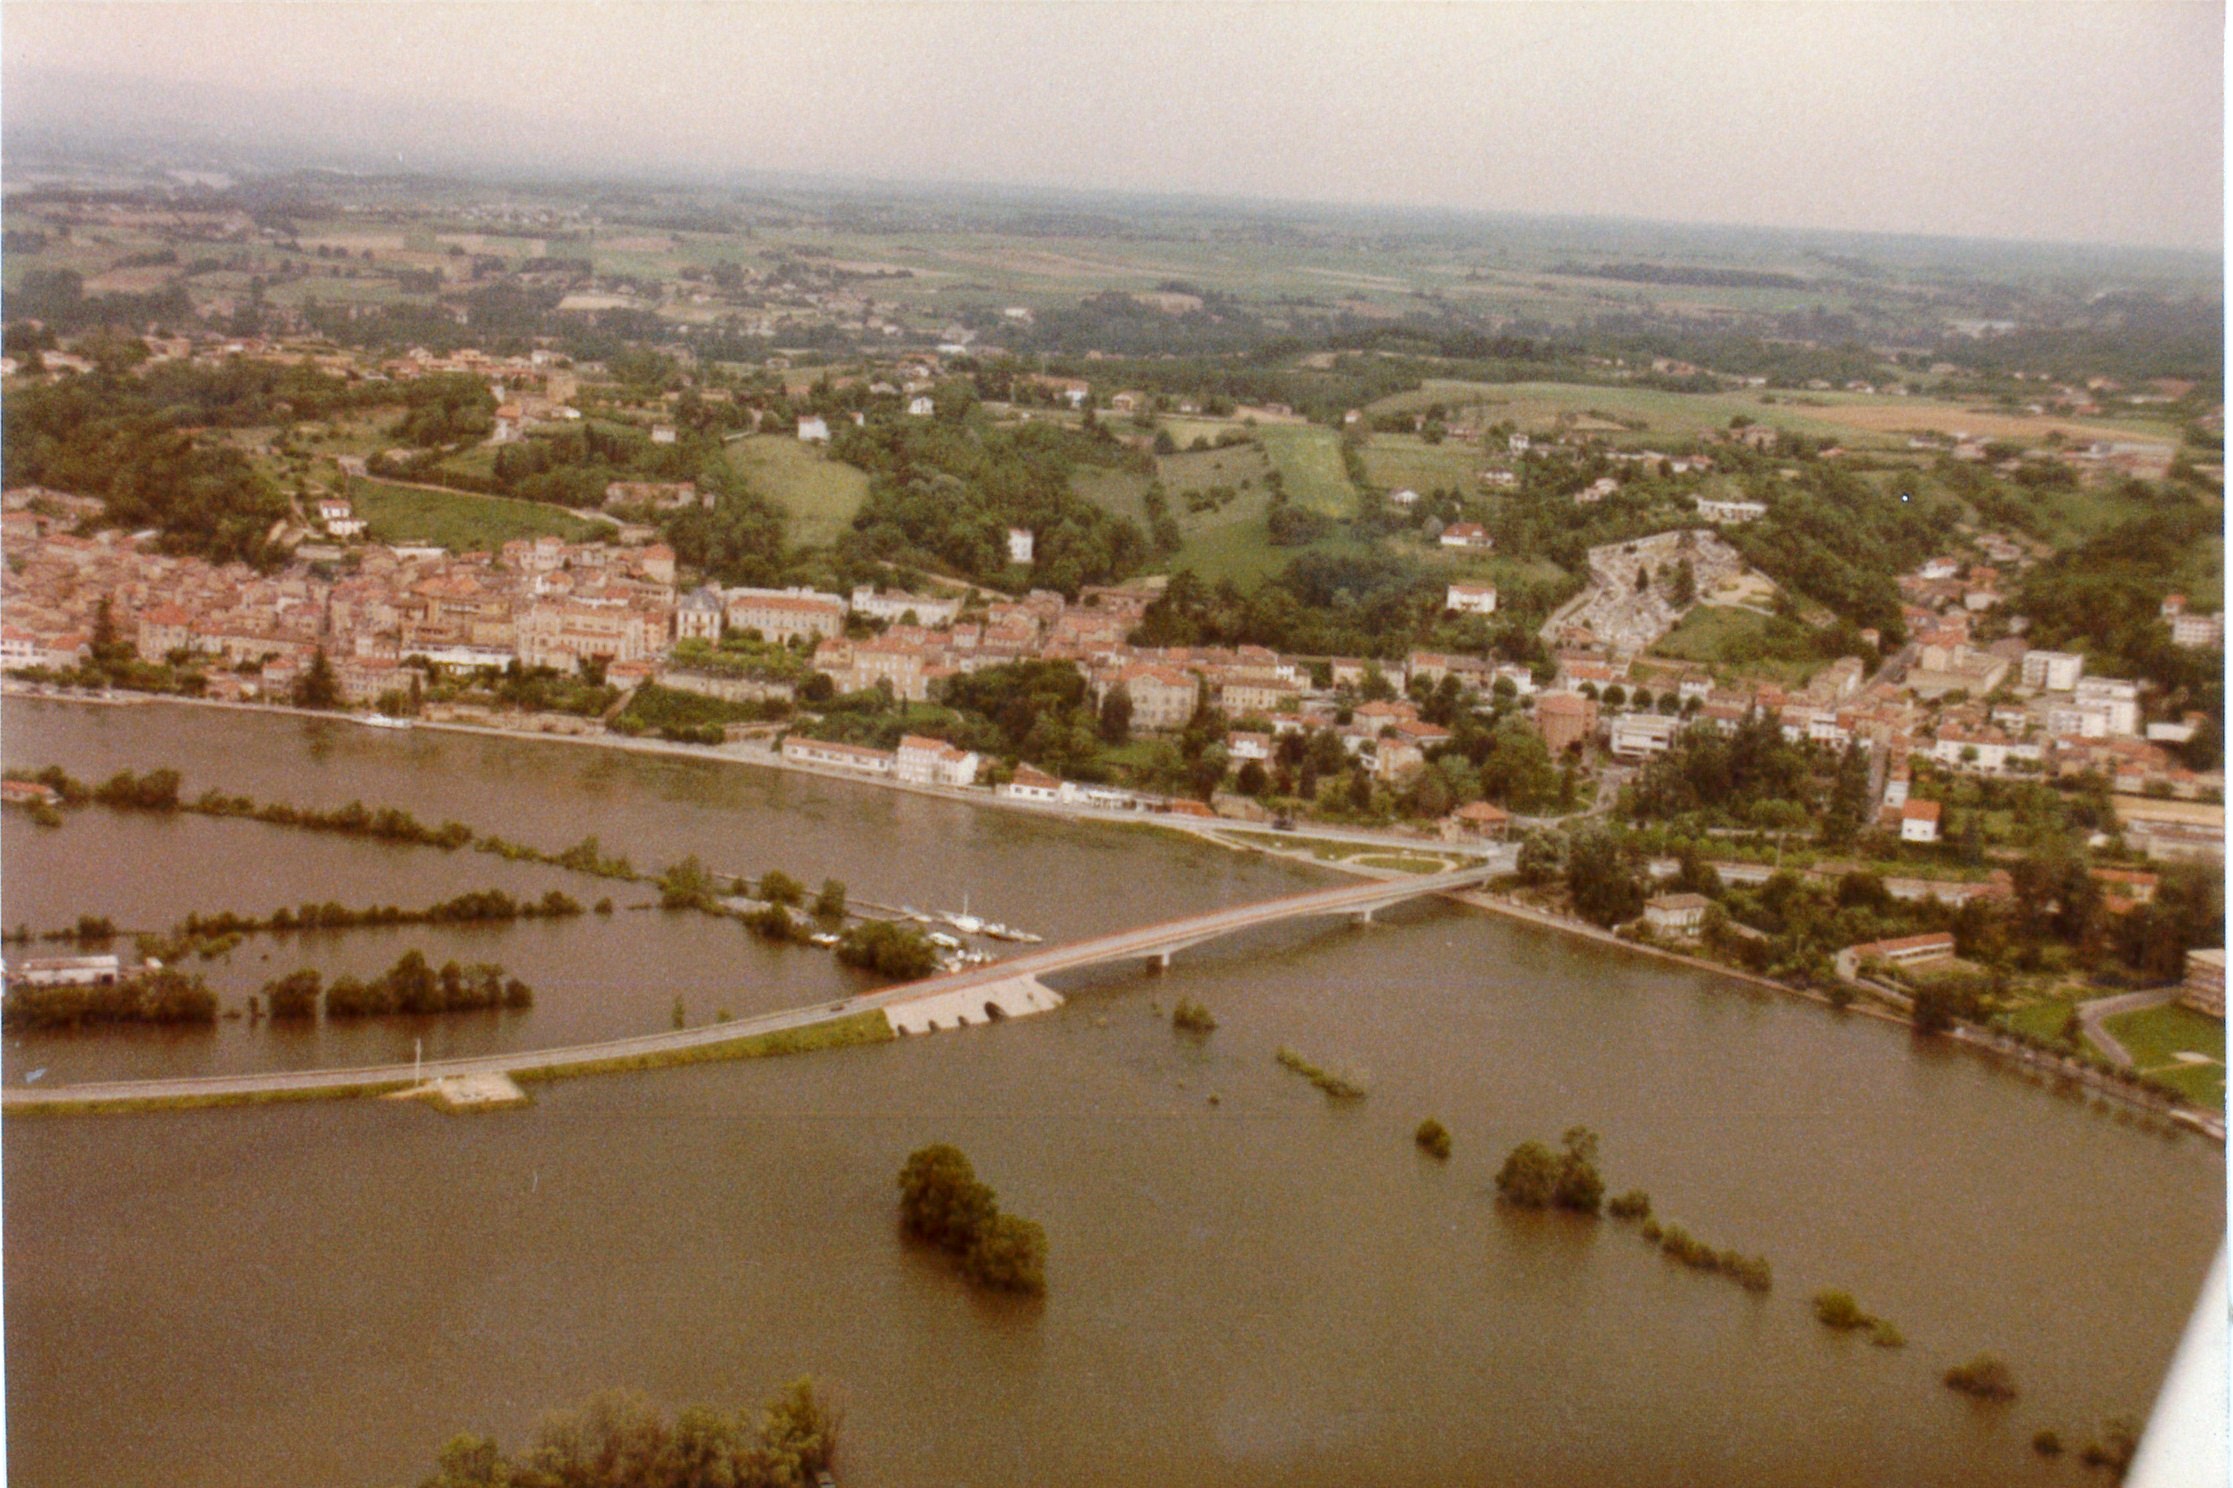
x=891, y=950
x=621, y=1440
x=409, y=986
x=942, y=1201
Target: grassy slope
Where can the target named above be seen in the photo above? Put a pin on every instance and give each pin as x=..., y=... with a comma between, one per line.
x=1740, y=641
x=1310, y=461
x=2154, y=1035
x=1394, y=461
x=821, y=494
x=459, y=521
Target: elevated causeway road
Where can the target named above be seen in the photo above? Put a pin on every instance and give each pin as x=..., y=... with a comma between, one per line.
x=1153, y=943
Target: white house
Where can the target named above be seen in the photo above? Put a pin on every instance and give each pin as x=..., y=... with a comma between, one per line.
x=814, y=431
x=1919, y=821
x=1517, y=444
x=662, y=433
x=920, y=407
x=1404, y=497
x=1730, y=511
x=1019, y=545
x=339, y=517
x=1028, y=784
x=1471, y=599
x=922, y=761
x=1242, y=746
x=1467, y=535
x=1676, y=914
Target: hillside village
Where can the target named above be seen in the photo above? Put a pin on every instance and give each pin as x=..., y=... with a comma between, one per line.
x=1774, y=619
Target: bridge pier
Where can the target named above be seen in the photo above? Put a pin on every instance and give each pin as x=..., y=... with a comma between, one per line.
x=1159, y=961
x=1361, y=917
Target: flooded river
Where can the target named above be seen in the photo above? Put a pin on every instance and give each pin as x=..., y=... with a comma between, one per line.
x=1268, y=1289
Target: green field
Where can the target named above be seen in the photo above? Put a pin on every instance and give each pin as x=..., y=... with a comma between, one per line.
x=2154, y=1037
x=1742, y=643
x=1309, y=461
x=458, y=521
x=1231, y=542
x=820, y=494
x=1396, y=461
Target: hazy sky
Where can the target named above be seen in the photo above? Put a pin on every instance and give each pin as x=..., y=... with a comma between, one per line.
x=2089, y=122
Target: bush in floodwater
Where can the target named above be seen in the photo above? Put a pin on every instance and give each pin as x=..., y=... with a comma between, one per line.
x=1534, y=1177
x=1986, y=1377
x=1335, y=1084
x=1433, y=1138
x=2114, y=1448
x=2046, y=1442
x=942, y=1201
x=1635, y=1204
x=1835, y=1309
x=294, y=995
x=1884, y=1334
x=1750, y=1272
x=1191, y=1017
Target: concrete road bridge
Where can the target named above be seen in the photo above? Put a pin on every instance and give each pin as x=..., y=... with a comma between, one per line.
x=984, y=994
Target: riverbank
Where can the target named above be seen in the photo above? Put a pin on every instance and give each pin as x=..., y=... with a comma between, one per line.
x=772, y=759
x=1983, y=1041
x=1297, y=848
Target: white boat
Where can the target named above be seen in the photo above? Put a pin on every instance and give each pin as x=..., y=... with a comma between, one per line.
x=965, y=922
x=943, y=941
x=383, y=721
x=909, y=911
x=822, y=938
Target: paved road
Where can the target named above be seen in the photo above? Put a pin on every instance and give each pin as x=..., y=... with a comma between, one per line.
x=2092, y=1015
x=1128, y=944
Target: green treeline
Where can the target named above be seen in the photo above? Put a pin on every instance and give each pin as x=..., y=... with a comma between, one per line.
x=1336, y=1085
x=942, y=1201
x=475, y=906
x=159, y=996
x=409, y=986
x=1535, y=1177
x=158, y=790
x=621, y=1440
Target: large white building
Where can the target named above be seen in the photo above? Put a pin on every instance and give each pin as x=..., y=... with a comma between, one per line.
x=780, y=614
x=2053, y=671
x=1640, y=735
x=895, y=606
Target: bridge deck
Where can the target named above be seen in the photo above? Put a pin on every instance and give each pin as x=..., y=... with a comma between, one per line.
x=1147, y=941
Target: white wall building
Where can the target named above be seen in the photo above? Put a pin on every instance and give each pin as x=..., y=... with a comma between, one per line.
x=1472, y=599
x=2053, y=671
